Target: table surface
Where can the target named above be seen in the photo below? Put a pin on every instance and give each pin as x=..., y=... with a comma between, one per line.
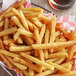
x=45, y=4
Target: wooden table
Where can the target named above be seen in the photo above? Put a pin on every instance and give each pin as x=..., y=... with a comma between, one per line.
x=44, y=3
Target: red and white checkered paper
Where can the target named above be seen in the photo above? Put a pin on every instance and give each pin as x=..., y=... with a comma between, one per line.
x=67, y=22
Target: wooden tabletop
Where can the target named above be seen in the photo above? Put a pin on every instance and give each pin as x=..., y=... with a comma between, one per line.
x=44, y=3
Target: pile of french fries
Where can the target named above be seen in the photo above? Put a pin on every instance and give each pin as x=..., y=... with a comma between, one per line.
x=35, y=44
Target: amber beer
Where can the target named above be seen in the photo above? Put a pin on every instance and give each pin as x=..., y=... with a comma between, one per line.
x=61, y=4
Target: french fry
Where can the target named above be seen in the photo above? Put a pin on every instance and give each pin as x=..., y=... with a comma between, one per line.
x=30, y=25
x=16, y=35
x=19, y=4
x=54, y=45
x=45, y=73
x=25, y=72
x=38, y=41
x=37, y=61
x=45, y=19
x=31, y=72
x=8, y=15
x=58, y=55
x=37, y=10
x=7, y=42
x=1, y=24
x=19, y=66
x=61, y=68
x=20, y=48
x=28, y=64
x=46, y=40
x=17, y=22
x=8, y=31
x=25, y=32
x=8, y=53
x=71, y=50
x=60, y=61
x=52, y=36
x=6, y=27
x=23, y=20
x=42, y=32
x=57, y=33
x=20, y=40
x=7, y=11
x=37, y=22
x=65, y=74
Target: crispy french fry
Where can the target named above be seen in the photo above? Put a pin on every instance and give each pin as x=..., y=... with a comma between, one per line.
x=37, y=10
x=42, y=32
x=37, y=22
x=45, y=73
x=17, y=22
x=20, y=48
x=54, y=45
x=19, y=4
x=52, y=36
x=57, y=33
x=61, y=68
x=6, y=27
x=16, y=35
x=46, y=40
x=19, y=66
x=8, y=31
x=20, y=40
x=7, y=42
x=58, y=55
x=71, y=50
x=25, y=72
x=31, y=72
x=25, y=32
x=8, y=53
x=1, y=24
x=8, y=15
x=37, y=61
x=23, y=20
x=65, y=74
x=28, y=64
x=38, y=41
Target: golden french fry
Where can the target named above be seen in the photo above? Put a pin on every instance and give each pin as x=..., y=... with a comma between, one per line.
x=38, y=41
x=6, y=42
x=8, y=31
x=8, y=53
x=61, y=68
x=57, y=33
x=25, y=32
x=58, y=55
x=20, y=48
x=6, y=27
x=66, y=74
x=37, y=22
x=19, y=4
x=16, y=35
x=8, y=15
x=25, y=73
x=54, y=45
x=19, y=66
x=31, y=72
x=17, y=22
x=28, y=64
x=45, y=73
x=71, y=51
x=23, y=20
x=37, y=10
x=46, y=40
x=20, y=40
x=1, y=24
x=37, y=61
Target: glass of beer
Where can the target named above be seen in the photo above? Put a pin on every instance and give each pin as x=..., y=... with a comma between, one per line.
x=61, y=4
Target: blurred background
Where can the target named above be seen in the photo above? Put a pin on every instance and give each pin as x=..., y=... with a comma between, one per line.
x=45, y=4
